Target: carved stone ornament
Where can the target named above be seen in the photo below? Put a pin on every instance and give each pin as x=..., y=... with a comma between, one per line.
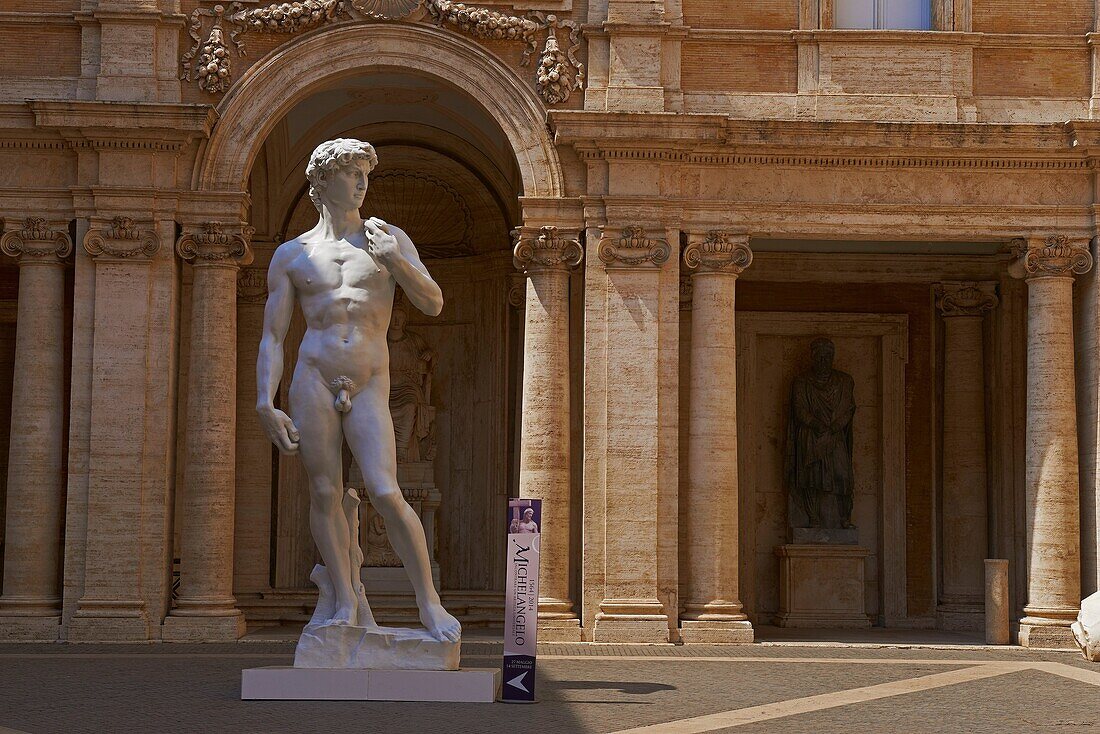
x=36, y=241
x=633, y=248
x=212, y=245
x=121, y=240
x=546, y=250
x=718, y=252
x=965, y=299
x=208, y=62
x=252, y=286
x=1057, y=257
x=517, y=290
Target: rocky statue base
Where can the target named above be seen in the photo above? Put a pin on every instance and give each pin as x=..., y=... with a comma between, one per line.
x=375, y=648
x=1086, y=630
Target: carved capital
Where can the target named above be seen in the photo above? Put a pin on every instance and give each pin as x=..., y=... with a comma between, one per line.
x=1056, y=257
x=122, y=240
x=718, y=252
x=633, y=248
x=965, y=299
x=517, y=290
x=211, y=246
x=252, y=285
x=36, y=242
x=547, y=249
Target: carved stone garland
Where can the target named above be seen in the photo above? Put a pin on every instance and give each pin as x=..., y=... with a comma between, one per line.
x=209, y=62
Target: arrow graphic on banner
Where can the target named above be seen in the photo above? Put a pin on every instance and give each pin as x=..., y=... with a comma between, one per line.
x=518, y=682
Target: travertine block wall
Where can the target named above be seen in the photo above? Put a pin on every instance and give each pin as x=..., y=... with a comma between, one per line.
x=1068, y=17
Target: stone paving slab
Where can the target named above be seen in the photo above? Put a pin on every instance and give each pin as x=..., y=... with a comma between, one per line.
x=168, y=688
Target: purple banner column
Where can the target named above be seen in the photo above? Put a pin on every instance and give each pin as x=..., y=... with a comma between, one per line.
x=522, y=600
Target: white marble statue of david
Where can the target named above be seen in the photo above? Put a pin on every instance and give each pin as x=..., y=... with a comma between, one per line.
x=343, y=272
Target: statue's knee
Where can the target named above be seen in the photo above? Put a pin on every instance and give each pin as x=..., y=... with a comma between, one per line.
x=387, y=500
x=325, y=495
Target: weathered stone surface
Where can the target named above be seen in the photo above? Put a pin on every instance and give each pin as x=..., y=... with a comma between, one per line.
x=381, y=648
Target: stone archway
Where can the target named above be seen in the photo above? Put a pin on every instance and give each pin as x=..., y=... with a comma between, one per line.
x=328, y=55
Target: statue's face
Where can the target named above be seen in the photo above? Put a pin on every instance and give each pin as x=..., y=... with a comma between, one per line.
x=822, y=360
x=346, y=187
x=397, y=322
x=528, y=514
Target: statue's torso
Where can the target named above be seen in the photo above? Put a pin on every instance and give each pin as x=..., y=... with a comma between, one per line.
x=346, y=297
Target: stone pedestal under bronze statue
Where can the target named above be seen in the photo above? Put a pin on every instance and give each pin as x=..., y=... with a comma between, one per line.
x=821, y=586
x=821, y=569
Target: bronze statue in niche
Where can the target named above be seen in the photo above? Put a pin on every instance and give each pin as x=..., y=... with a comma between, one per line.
x=819, y=443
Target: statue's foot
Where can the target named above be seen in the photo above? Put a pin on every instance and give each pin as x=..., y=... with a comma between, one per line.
x=346, y=615
x=440, y=623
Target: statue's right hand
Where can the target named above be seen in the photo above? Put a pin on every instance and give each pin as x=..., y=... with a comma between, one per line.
x=280, y=429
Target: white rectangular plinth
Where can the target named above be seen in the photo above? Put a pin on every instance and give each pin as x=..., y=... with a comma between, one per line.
x=468, y=685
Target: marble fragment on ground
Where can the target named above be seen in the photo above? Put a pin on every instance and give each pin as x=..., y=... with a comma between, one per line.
x=1086, y=630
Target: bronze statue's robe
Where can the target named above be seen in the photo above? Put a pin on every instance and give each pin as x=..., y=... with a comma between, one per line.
x=819, y=447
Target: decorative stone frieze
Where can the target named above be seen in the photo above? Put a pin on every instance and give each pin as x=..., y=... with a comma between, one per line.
x=1057, y=257
x=718, y=251
x=121, y=240
x=211, y=245
x=252, y=286
x=547, y=249
x=209, y=62
x=36, y=241
x=634, y=248
x=965, y=299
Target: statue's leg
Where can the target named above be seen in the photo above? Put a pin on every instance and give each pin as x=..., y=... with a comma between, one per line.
x=319, y=448
x=369, y=431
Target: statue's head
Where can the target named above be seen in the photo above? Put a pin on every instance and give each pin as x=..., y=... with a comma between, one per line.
x=528, y=514
x=822, y=352
x=337, y=173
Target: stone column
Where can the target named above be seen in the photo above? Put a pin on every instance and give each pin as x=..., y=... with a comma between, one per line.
x=547, y=257
x=713, y=611
x=206, y=609
x=627, y=509
x=113, y=605
x=964, y=524
x=30, y=606
x=1053, y=513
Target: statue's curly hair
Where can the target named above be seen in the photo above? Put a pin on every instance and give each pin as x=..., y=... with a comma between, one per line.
x=333, y=154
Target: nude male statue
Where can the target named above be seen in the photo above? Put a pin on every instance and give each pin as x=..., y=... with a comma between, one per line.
x=344, y=272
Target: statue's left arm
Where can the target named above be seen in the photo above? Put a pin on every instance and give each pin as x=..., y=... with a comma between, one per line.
x=397, y=252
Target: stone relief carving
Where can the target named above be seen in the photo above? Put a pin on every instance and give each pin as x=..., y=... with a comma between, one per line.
x=122, y=239
x=412, y=363
x=1057, y=257
x=211, y=244
x=965, y=299
x=633, y=248
x=208, y=62
x=517, y=290
x=719, y=252
x=36, y=240
x=547, y=249
x=252, y=286
x=819, y=444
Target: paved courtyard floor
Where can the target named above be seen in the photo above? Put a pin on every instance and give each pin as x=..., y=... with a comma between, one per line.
x=873, y=686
